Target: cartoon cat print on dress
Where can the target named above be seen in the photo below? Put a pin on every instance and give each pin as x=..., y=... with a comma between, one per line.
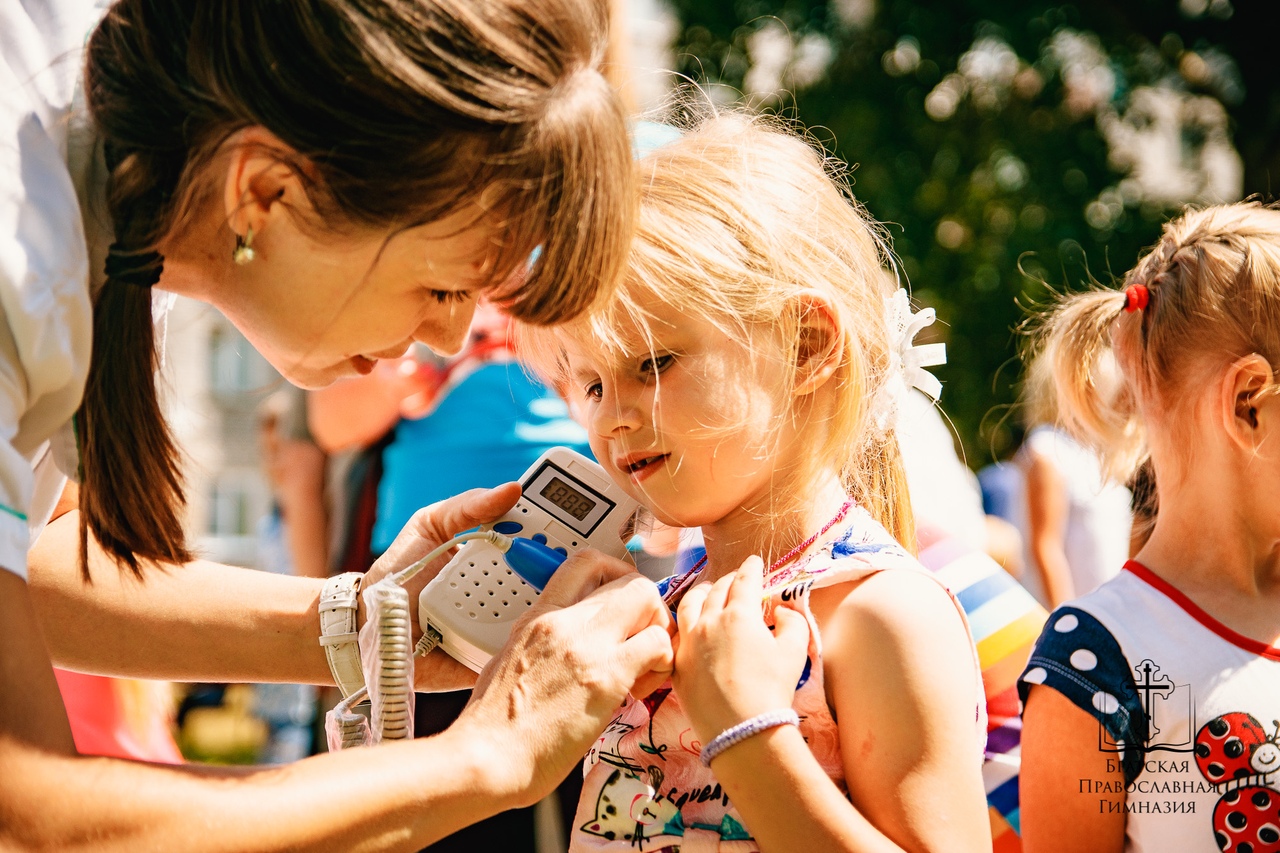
x=1234, y=752
x=631, y=809
x=606, y=746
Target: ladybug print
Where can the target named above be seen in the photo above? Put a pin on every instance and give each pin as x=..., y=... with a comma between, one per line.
x=1247, y=820
x=1233, y=751
x=1235, y=746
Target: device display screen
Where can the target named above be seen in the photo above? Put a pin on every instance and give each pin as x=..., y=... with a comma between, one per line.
x=567, y=498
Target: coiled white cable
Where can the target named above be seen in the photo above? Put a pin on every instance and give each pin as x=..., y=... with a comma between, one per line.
x=348, y=728
x=391, y=700
x=395, y=670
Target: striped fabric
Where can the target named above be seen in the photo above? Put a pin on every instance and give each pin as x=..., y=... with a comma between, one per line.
x=1005, y=621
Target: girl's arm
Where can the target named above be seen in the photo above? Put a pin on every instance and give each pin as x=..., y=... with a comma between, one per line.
x=901, y=678
x=1071, y=793
x=1047, y=511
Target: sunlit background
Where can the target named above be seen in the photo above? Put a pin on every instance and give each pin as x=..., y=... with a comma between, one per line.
x=1014, y=149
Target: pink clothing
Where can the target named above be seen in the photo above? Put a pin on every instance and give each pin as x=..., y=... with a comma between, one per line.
x=644, y=786
x=120, y=718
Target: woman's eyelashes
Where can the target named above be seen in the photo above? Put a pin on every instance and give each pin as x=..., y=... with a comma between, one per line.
x=444, y=296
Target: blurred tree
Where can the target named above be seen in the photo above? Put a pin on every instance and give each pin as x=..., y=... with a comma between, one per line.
x=1013, y=148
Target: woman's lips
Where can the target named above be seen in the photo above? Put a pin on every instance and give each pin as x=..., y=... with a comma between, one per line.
x=364, y=366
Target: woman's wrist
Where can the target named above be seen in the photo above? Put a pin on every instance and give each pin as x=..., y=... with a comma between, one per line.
x=496, y=770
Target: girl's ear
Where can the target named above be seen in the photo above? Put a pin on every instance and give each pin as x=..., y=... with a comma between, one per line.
x=819, y=340
x=1249, y=412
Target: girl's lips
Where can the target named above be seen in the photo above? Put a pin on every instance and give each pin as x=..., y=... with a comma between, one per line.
x=364, y=366
x=642, y=467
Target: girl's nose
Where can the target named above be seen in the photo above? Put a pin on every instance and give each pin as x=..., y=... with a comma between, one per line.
x=613, y=415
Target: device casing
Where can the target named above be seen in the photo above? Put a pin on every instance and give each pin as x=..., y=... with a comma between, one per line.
x=570, y=502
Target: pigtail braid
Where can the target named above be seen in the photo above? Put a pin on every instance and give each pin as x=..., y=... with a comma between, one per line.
x=1075, y=348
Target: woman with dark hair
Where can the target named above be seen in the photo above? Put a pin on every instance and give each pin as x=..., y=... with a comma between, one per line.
x=340, y=178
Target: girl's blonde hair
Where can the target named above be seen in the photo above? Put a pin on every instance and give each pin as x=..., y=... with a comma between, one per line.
x=739, y=221
x=1213, y=283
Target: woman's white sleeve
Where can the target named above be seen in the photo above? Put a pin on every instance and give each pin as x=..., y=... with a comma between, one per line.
x=45, y=311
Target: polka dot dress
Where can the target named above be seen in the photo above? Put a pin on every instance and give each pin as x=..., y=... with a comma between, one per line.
x=1077, y=656
x=1188, y=712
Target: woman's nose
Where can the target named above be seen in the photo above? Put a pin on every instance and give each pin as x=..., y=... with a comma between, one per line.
x=446, y=330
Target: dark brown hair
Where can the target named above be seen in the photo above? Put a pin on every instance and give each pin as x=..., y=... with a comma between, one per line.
x=397, y=113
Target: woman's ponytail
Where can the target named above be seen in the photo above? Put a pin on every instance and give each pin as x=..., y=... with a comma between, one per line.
x=131, y=495
x=130, y=484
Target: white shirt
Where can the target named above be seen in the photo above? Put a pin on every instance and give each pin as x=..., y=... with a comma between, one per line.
x=1096, y=539
x=47, y=164
x=1209, y=777
x=944, y=492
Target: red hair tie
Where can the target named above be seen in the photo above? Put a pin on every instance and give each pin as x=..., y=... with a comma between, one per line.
x=1136, y=297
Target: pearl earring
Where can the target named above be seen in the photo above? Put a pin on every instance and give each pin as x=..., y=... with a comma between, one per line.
x=243, y=252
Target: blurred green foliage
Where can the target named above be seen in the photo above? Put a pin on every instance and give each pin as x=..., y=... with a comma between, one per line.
x=977, y=133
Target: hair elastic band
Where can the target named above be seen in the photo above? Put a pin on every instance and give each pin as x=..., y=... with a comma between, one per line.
x=141, y=269
x=1136, y=297
x=747, y=728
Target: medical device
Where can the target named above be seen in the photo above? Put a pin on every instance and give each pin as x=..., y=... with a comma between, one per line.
x=568, y=503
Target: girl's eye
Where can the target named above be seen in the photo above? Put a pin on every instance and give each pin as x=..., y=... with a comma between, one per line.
x=657, y=364
x=595, y=391
x=443, y=296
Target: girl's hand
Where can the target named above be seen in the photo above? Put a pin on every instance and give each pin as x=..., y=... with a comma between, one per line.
x=729, y=666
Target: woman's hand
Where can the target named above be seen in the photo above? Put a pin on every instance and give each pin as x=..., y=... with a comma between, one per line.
x=729, y=666
x=429, y=528
x=597, y=632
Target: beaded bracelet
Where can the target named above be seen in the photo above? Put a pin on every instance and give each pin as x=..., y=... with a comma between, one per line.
x=745, y=729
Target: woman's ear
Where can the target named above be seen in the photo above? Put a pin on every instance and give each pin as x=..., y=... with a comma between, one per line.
x=262, y=182
x=819, y=342
x=1249, y=412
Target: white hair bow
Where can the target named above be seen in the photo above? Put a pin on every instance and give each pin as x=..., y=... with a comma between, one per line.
x=908, y=358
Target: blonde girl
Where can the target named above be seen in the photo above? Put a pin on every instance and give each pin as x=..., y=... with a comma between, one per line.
x=1151, y=703
x=742, y=381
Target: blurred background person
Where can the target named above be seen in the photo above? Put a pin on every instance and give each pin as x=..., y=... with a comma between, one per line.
x=1077, y=521
x=292, y=540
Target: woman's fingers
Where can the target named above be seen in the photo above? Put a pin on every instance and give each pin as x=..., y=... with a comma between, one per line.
x=651, y=656
x=582, y=574
x=438, y=523
x=565, y=670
